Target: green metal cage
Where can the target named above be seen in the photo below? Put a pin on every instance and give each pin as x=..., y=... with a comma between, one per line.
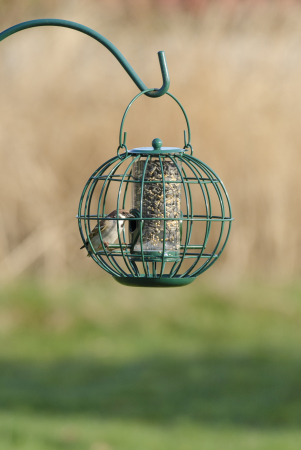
x=180, y=213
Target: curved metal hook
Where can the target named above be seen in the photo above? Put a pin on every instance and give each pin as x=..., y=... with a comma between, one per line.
x=98, y=37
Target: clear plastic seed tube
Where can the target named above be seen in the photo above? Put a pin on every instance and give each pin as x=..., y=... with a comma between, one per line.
x=153, y=201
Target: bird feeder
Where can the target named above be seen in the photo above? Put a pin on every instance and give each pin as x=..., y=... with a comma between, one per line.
x=180, y=213
x=160, y=185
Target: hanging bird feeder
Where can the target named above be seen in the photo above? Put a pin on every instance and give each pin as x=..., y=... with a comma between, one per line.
x=172, y=215
x=160, y=185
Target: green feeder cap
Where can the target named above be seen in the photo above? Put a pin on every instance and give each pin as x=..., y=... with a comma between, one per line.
x=157, y=144
x=156, y=149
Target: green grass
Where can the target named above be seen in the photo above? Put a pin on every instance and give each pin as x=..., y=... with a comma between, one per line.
x=101, y=367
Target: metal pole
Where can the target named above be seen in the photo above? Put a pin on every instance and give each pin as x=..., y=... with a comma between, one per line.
x=106, y=43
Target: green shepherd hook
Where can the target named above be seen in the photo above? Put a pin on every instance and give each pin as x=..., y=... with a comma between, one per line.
x=127, y=67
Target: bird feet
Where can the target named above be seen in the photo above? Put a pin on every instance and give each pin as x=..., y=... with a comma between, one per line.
x=106, y=244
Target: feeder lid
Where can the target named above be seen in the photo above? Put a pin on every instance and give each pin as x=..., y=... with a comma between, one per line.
x=156, y=149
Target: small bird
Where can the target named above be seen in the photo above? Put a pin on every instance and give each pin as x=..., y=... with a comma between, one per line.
x=108, y=230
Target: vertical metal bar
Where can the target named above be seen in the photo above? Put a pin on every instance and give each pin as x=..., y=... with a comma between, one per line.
x=175, y=271
x=154, y=269
x=140, y=221
x=147, y=268
x=118, y=201
x=124, y=200
x=104, y=188
x=189, y=223
x=106, y=164
x=132, y=263
x=199, y=177
x=100, y=261
x=164, y=222
x=209, y=173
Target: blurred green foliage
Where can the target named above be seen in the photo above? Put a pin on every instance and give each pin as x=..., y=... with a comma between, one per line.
x=101, y=367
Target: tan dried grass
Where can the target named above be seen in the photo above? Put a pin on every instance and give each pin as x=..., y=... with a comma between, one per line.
x=63, y=96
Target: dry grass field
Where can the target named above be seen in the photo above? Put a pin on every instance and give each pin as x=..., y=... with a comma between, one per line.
x=235, y=70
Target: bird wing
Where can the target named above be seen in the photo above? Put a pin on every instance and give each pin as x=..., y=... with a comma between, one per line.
x=102, y=225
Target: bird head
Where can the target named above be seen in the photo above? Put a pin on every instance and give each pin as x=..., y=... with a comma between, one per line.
x=123, y=214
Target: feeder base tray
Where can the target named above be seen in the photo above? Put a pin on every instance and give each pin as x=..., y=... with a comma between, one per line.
x=164, y=281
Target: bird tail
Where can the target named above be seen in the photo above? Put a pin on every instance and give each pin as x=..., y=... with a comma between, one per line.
x=88, y=254
x=99, y=248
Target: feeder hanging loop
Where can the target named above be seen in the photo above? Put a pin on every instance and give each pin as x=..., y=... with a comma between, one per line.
x=106, y=43
x=122, y=144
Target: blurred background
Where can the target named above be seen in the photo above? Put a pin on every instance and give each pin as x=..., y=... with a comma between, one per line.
x=84, y=362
